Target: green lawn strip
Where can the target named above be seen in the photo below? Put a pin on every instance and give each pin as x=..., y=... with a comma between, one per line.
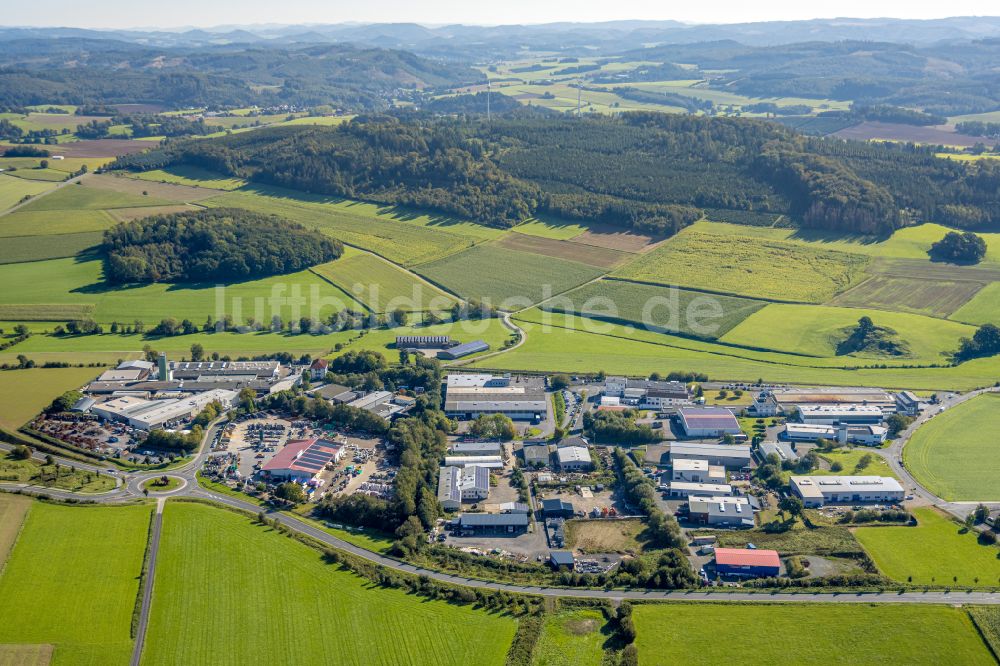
x=656, y=308
x=39, y=248
x=365, y=538
x=69, y=558
x=508, y=279
x=748, y=266
x=33, y=473
x=815, y=634
x=935, y=552
x=572, y=638
x=223, y=580
x=817, y=330
x=954, y=454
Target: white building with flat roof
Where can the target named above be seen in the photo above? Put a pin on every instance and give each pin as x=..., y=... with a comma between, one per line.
x=697, y=471
x=574, y=458
x=730, y=456
x=835, y=414
x=721, y=511
x=686, y=489
x=815, y=491
x=462, y=484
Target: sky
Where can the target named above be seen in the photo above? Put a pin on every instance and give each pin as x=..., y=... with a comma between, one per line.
x=198, y=13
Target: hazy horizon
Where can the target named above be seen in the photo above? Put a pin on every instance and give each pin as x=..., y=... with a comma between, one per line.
x=132, y=15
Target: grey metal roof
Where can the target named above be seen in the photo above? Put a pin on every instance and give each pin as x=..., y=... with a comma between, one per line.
x=493, y=519
x=465, y=349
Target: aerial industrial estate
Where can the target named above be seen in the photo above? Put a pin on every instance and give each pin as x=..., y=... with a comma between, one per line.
x=523, y=345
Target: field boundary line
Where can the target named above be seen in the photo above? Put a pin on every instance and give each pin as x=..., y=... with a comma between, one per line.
x=713, y=292
x=156, y=529
x=312, y=269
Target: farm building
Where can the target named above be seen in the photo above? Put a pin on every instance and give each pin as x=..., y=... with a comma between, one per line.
x=720, y=510
x=837, y=414
x=730, y=456
x=476, y=449
x=708, y=422
x=464, y=349
x=687, y=489
x=496, y=524
x=536, y=455
x=491, y=462
x=697, y=471
x=302, y=460
x=462, y=484
x=868, y=435
x=752, y=563
x=646, y=393
x=574, y=458
x=815, y=491
x=784, y=401
x=557, y=508
x=469, y=396
x=424, y=341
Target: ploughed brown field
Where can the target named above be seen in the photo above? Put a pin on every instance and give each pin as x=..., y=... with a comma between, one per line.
x=935, y=134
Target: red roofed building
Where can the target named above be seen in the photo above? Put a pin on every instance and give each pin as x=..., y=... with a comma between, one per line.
x=302, y=460
x=749, y=562
x=317, y=371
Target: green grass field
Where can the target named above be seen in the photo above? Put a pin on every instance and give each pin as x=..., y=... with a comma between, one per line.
x=954, y=454
x=656, y=308
x=221, y=580
x=820, y=634
x=935, y=552
x=25, y=393
x=816, y=330
x=86, y=197
x=12, y=189
x=850, y=461
x=34, y=473
x=380, y=285
x=499, y=274
x=51, y=224
x=984, y=308
x=72, y=580
x=748, y=266
x=404, y=237
x=76, y=282
x=49, y=175
x=554, y=228
x=18, y=249
x=192, y=177
x=571, y=638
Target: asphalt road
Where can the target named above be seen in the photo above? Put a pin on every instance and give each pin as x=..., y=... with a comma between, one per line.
x=147, y=587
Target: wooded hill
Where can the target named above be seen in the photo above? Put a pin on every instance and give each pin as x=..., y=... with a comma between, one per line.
x=646, y=171
x=213, y=244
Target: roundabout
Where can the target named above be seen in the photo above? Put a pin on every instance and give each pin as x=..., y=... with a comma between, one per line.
x=163, y=485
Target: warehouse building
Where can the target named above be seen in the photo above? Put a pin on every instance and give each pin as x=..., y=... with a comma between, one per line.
x=687, y=489
x=907, y=402
x=784, y=401
x=747, y=562
x=867, y=435
x=557, y=508
x=494, y=524
x=335, y=393
x=462, y=484
x=302, y=460
x=424, y=341
x=703, y=422
x=536, y=455
x=646, y=393
x=477, y=449
x=838, y=414
x=469, y=396
x=574, y=458
x=491, y=462
x=720, y=511
x=202, y=369
x=165, y=413
x=697, y=471
x=783, y=450
x=730, y=456
x=119, y=375
x=815, y=491
x=464, y=349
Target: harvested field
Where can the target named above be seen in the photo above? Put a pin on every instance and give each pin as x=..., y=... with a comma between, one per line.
x=38, y=248
x=89, y=195
x=605, y=536
x=931, y=271
x=103, y=148
x=615, y=238
x=561, y=249
x=939, y=134
x=136, y=187
x=938, y=298
x=45, y=311
x=25, y=655
x=129, y=214
x=13, y=509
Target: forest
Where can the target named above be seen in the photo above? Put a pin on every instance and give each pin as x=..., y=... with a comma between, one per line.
x=212, y=244
x=651, y=172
